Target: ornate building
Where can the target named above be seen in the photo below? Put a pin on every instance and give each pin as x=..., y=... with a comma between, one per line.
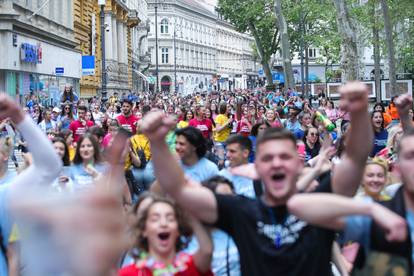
x=121, y=16
x=197, y=51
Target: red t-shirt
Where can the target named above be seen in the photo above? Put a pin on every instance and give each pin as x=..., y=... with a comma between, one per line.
x=205, y=126
x=78, y=129
x=129, y=123
x=243, y=128
x=183, y=266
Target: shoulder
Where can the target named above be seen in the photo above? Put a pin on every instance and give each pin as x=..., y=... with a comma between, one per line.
x=208, y=164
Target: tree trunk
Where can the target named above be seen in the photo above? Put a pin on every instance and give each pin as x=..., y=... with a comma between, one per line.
x=390, y=48
x=306, y=68
x=284, y=37
x=349, y=49
x=377, y=53
x=264, y=60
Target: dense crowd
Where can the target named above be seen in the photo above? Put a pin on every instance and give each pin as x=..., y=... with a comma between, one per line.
x=245, y=182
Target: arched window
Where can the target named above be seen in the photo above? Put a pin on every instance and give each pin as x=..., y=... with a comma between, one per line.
x=164, y=26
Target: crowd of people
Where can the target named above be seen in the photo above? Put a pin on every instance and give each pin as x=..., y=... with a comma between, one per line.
x=246, y=182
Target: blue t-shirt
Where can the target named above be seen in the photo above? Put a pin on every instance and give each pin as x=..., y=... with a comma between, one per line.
x=242, y=185
x=224, y=249
x=81, y=179
x=202, y=170
x=380, y=141
x=5, y=225
x=8, y=177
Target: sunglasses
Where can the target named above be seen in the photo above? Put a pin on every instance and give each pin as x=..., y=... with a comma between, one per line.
x=313, y=134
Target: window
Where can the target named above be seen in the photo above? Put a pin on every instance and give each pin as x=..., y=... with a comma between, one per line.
x=164, y=55
x=164, y=26
x=312, y=53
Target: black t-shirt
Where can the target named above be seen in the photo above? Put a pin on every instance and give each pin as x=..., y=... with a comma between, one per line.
x=273, y=242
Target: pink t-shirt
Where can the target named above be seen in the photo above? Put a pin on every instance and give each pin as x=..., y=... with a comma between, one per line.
x=78, y=129
x=129, y=123
x=205, y=126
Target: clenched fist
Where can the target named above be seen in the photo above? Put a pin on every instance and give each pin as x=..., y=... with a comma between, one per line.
x=156, y=125
x=354, y=97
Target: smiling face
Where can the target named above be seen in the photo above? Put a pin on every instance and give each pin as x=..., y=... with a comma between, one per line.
x=86, y=150
x=278, y=165
x=270, y=115
x=374, y=180
x=183, y=148
x=377, y=120
x=161, y=229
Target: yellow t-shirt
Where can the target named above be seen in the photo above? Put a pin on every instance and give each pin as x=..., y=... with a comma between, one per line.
x=72, y=152
x=182, y=124
x=221, y=136
x=139, y=142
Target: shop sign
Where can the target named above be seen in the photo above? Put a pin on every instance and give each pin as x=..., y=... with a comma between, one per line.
x=59, y=71
x=88, y=65
x=31, y=53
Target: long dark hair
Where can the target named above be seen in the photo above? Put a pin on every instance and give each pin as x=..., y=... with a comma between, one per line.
x=67, y=94
x=97, y=153
x=65, y=158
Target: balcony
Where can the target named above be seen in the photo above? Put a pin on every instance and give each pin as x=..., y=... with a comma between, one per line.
x=133, y=19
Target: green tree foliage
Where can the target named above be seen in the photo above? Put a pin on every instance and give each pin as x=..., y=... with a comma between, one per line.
x=257, y=18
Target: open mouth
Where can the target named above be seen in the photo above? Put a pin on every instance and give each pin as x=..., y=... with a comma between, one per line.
x=278, y=176
x=164, y=236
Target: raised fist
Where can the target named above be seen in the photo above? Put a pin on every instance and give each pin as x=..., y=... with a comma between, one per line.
x=404, y=103
x=156, y=125
x=10, y=109
x=354, y=97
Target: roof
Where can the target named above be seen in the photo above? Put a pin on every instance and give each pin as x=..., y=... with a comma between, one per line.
x=201, y=5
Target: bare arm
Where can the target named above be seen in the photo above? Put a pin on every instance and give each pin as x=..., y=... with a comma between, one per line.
x=348, y=174
x=329, y=210
x=204, y=254
x=196, y=199
x=404, y=103
x=13, y=260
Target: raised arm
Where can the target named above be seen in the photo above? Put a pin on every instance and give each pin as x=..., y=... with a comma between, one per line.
x=329, y=211
x=348, y=173
x=404, y=103
x=46, y=163
x=194, y=198
x=204, y=254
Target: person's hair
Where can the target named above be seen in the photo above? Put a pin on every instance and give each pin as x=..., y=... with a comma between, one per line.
x=64, y=133
x=255, y=129
x=185, y=116
x=97, y=153
x=97, y=131
x=383, y=163
x=65, y=158
x=63, y=112
x=270, y=134
x=126, y=100
x=382, y=116
x=83, y=108
x=244, y=142
x=184, y=228
x=302, y=114
x=223, y=108
x=381, y=105
x=213, y=182
x=195, y=138
x=145, y=109
x=6, y=145
x=68, y=93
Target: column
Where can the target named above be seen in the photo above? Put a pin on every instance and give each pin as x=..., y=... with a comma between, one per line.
x=108, y=36
x=125, y=40
x=114, y=38
x=119, y=41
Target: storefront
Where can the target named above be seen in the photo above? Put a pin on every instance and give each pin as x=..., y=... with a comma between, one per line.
x=33, y=67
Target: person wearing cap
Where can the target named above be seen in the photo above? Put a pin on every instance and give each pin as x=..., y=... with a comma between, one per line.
x=127, y=120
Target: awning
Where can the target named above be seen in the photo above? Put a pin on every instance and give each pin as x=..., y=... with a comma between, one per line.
x=145, y=78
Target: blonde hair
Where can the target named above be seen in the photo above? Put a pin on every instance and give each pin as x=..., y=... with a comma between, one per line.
x=383, y=163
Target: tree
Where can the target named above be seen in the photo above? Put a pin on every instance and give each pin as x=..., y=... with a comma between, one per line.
x=257, y=18
x=284, y=37
x=390, y=47
x=349, y=49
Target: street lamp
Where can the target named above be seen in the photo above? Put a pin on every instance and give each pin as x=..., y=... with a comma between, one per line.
x=156, y=46
x=102, y=14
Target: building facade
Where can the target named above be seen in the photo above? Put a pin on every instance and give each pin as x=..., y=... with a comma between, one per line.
x=197, y=51
x=34, y=36
x=121, y=17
